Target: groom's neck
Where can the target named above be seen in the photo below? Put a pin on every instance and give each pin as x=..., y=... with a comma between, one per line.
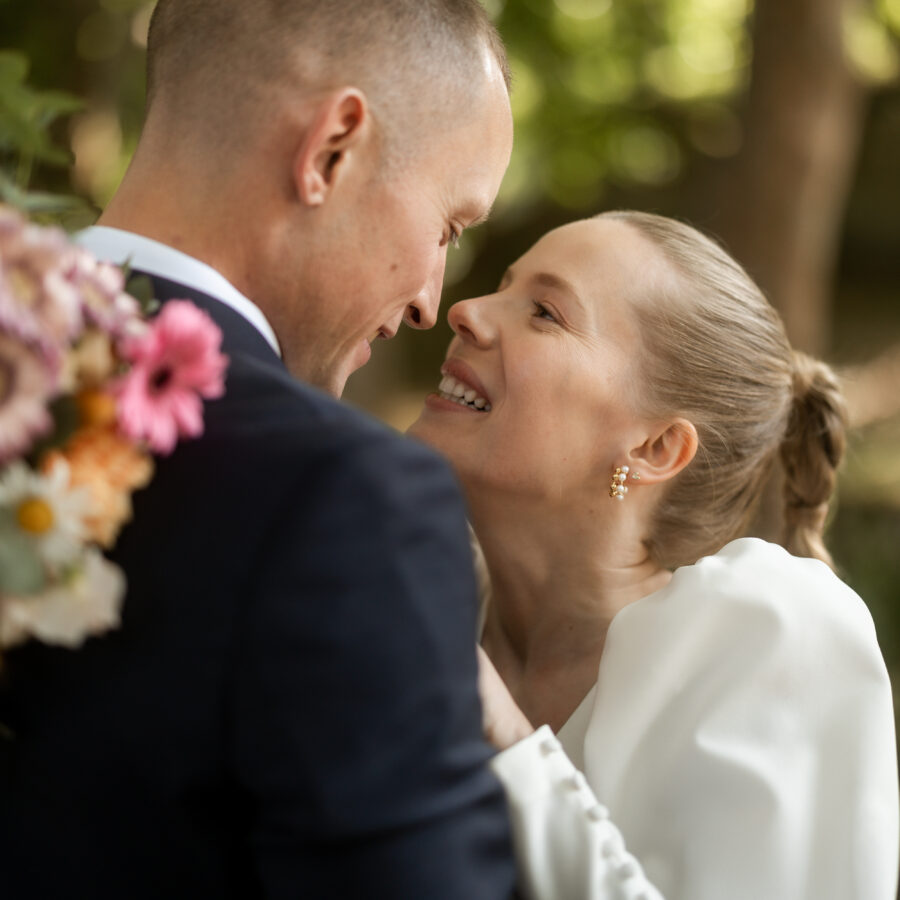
x=171, y=200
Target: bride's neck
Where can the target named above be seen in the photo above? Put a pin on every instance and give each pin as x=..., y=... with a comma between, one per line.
x=558, y=577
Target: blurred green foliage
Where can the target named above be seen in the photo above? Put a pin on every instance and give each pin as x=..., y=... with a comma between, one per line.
x=26, y=116
x=612, y=75
x=628, y=92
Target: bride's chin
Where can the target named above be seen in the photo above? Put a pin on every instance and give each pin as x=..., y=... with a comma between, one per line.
x=416, y=423
x=429, y=433
x=420, y=430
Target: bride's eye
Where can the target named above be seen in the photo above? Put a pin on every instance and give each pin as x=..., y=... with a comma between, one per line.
x=541, y=312
x=452, y=237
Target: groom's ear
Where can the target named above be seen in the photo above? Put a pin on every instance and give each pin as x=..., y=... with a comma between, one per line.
x=339, y=124
x=670, y=447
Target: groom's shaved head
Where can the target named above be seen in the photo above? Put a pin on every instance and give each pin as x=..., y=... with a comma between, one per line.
x=219, y=64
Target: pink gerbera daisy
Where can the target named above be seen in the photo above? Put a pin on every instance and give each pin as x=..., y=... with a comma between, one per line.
x=173, y=365
x=26, y=384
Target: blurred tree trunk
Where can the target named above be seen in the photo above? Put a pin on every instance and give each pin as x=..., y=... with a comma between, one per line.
x=783, y=199
x=871, y=388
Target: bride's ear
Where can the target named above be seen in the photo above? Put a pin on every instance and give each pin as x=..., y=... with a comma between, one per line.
x=666, y=452
x=339, y=124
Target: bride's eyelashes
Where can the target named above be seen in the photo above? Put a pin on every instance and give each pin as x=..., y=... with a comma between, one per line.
x=542, y=312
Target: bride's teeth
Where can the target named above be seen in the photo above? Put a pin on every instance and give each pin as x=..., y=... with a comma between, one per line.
x=461, y=393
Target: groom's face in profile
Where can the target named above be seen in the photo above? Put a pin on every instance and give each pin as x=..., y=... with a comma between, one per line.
x=382, y=237
x=323, y=158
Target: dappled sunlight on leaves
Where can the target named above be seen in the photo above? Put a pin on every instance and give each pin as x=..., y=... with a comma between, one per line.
x=97, y=145
x=870, y=47
x=595, y=75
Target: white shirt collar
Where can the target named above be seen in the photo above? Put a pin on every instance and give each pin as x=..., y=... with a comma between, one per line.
x=118, y=246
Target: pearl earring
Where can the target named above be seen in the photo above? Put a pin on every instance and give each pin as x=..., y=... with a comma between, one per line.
x=618, y=488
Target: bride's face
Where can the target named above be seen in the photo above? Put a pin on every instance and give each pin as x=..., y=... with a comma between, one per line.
x=548, y=364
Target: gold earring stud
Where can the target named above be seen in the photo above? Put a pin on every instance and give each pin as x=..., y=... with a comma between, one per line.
x=617, y=488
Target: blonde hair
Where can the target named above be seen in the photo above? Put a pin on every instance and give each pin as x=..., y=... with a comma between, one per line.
x=716, y=353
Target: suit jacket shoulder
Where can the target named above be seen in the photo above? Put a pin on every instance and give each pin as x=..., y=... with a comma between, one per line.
x=290, y=703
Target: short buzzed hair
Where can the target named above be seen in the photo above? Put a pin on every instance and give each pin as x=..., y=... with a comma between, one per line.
x=217, y=61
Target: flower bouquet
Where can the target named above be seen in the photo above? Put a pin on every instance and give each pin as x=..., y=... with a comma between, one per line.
x=89, y=390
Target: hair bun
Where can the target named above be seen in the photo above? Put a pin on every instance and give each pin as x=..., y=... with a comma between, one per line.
x=819, y=402
x=811, y=453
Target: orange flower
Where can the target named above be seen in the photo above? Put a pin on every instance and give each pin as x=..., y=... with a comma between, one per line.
x=96, y=407
x=111, y=468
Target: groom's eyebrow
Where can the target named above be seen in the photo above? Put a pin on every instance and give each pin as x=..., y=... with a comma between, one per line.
x=481, y=219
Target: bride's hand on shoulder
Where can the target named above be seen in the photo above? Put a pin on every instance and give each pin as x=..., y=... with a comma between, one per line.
x=504, y=723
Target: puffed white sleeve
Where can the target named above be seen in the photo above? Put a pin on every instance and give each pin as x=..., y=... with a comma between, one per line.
x=741, y=739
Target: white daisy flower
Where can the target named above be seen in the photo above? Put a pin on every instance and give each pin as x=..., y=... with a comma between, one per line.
x=46, y=511
x=87, y=603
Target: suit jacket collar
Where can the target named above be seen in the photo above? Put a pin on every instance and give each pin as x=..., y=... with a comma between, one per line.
x=164, y=262
x=238, y=334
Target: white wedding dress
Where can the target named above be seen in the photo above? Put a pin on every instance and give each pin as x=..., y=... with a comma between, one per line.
x=739, y=745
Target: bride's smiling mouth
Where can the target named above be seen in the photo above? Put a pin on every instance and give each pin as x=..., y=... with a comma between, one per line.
x=459, y=385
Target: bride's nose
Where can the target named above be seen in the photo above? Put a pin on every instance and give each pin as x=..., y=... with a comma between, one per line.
x=471, y=320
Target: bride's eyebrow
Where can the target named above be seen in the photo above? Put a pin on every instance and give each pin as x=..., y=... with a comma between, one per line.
x=547, y=279
x=556, y=283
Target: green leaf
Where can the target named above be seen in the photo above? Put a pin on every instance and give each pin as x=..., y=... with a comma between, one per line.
x=65, y=423
x=17, y=130
x=141, y=288
x=59, y=102
x=26, y=115
x=13, y=67
x=40, y=203
x=52, y=204
x=9, y=192
x=46, y=152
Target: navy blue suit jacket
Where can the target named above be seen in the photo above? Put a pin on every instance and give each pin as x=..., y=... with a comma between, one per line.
x=290, y=707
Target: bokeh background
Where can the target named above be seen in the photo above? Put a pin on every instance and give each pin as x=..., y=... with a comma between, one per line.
x=773, y=124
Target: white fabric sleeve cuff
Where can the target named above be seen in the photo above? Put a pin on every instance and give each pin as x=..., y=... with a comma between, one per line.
x=566, y=845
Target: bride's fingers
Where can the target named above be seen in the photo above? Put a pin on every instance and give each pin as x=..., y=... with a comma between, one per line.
x=504, y=722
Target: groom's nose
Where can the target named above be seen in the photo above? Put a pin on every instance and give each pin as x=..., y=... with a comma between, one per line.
x=422, y=313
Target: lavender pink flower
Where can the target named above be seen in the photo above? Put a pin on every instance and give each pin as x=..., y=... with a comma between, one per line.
x=26, y=385
x=101, y=288
x=38, y=301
